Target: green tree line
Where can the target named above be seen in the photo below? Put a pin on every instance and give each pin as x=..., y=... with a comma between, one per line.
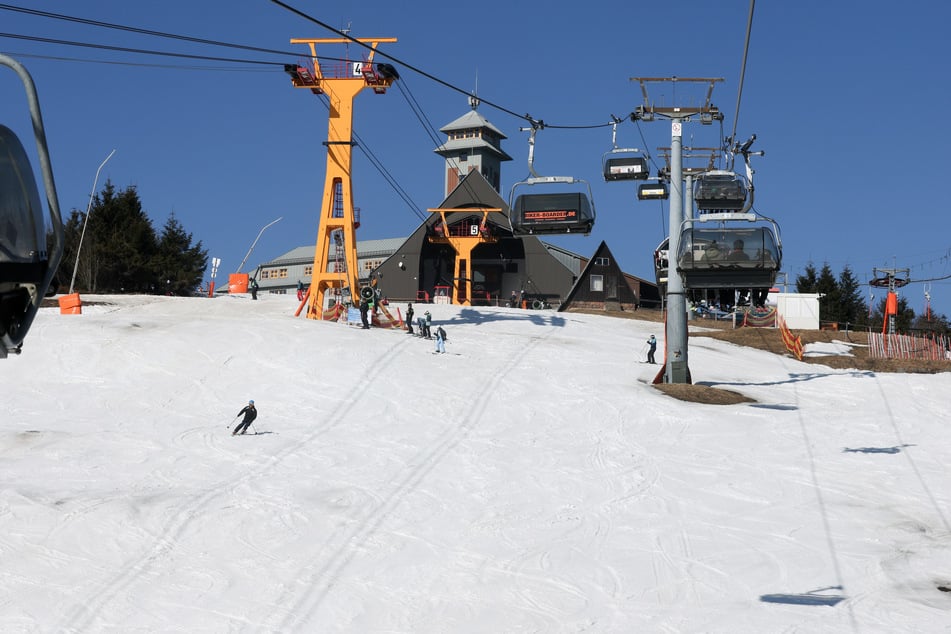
x=121, y=252
x=842, y=300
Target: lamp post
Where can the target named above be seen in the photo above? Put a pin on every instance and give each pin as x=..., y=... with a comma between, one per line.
x=241, y=266
x=72, y=281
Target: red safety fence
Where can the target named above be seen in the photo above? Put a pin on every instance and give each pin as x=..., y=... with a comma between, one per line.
x=933, y=347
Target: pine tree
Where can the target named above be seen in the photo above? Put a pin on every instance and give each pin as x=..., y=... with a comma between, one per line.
x=179, y=263
x=828, y=289
x=120, y=252
x=853, y=309
x=807, y=282
x=123, y=243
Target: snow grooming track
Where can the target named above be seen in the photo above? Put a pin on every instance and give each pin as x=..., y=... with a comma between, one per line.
x=84, y=615
x=820, y=500
x=295, y=609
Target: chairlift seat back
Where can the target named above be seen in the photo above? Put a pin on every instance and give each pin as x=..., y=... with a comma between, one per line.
x=24, y=261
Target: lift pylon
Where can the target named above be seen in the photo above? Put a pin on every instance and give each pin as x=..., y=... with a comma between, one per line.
x=464, y=238
x=341, y=82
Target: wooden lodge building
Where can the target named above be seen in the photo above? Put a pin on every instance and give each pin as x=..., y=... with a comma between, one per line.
x=471, y=256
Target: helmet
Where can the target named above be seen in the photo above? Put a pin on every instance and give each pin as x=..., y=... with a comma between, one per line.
x=251, y=402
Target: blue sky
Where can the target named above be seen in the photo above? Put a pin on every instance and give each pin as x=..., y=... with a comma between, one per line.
x=840, y=96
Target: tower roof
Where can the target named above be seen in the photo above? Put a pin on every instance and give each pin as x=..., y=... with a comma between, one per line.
x=471, y=119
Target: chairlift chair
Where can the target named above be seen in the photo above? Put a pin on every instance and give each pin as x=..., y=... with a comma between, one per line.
x=26, y=266
x=653, y=191
x=729, y=251
x=551, y=211
x=550, y=205
x=624, y=164
x=720, y=190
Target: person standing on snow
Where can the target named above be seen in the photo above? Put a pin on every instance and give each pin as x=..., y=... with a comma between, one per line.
x=427, y=323
x=250, y=413
x=652, y=342
x=409, y=318
x=364, y=310
x=440, y=339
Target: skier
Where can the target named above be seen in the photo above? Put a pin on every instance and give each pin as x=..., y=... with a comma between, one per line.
x=254, y=288
x=250, y=413
x=440, y=339
x=652, y=342
x=428, y=321
x=409, y=318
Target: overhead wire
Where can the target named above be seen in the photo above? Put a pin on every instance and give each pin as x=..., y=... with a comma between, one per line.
x=403, y=64
x=57, y=58
x=746, y=50
x=126, y=49
x=133, y=29
x=414, y=104
x=211, y=42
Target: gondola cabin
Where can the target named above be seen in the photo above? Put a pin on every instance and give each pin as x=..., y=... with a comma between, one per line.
x=720, y=190
x=542, y=206
x=652, y=191
x=620, y=165
x=732, y=257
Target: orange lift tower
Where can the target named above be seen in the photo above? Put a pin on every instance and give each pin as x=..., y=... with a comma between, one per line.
x=463, y=237
x=341, y=83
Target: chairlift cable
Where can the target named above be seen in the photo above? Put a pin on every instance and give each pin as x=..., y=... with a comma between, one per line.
x=141, y=31
x=197, y=40
x=746, y=50
x=428, y=126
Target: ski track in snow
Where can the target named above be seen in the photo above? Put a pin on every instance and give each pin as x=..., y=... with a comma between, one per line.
x=562, y=525
x=319, y=577
x=89, y=609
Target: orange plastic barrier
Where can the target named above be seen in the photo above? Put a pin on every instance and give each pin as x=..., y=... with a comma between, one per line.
x=70, y=305
x=238, y=283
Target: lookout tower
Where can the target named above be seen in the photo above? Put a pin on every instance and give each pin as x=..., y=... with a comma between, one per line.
x=472, y=144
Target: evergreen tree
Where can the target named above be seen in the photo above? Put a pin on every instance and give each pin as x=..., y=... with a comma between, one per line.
x=120, y=251
x=179, y=265
x=122, y=243
x=807, y=282
x=828, y=289
x=936, y=323
x=853, y=309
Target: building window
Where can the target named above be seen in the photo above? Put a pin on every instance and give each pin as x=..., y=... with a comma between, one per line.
x=264, y=274
x=282, y=273
x=369, y=265
x=597, y=283
x=602, y=261
x=309, y=270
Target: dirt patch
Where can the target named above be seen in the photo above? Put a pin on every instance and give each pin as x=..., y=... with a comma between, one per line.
x=703, y=394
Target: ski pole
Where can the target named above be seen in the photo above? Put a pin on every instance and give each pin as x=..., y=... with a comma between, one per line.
x=232, y=422
x=254, y=428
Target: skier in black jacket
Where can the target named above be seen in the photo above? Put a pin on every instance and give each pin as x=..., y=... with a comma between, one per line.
x=250, y=413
